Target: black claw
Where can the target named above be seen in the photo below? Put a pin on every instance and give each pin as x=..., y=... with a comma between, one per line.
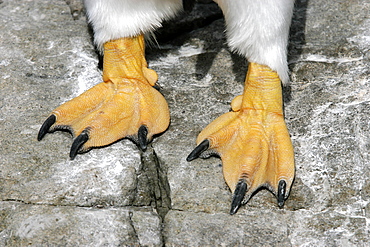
x=142, y=136
x=46, y=126
x=239, y=193
x=78, y=143
x=281, y=193
x=158, y=88
x=203, y=146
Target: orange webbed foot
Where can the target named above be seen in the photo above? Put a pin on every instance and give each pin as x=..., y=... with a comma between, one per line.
x=252, y=140
x=125, y=104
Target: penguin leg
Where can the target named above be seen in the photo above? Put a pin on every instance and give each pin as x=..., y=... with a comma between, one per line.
x=252, y=140
x=125, y=104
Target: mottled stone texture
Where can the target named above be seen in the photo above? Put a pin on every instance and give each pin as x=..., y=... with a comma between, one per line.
x=119, y=196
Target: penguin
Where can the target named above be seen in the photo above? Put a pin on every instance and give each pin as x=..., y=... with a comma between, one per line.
x=252, y=139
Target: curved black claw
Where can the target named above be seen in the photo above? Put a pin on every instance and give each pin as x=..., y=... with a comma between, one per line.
x=281, y=193
x=46, y=126
x=142, y=136
x=203, y=146
x=78, y=143
x=156, y=87
x=239, y=193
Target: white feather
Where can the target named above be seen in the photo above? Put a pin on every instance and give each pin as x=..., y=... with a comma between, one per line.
x=114, y=19
x=258, y=30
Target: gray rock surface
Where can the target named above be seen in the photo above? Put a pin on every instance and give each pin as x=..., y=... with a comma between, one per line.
x=118, y=195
